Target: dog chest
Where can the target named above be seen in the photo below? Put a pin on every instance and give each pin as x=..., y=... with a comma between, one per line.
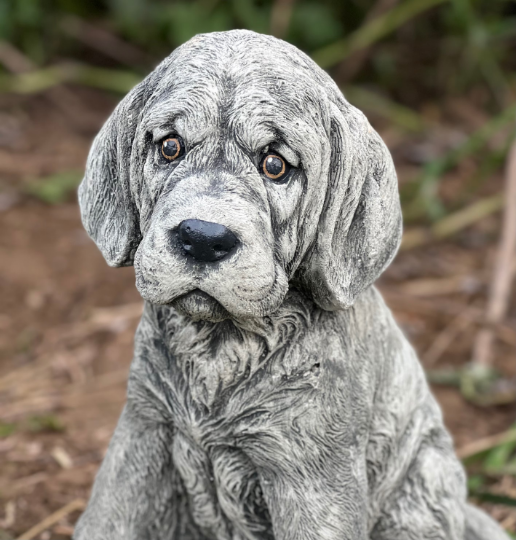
x=224, y=491
x=218, y=450
x=241, y=405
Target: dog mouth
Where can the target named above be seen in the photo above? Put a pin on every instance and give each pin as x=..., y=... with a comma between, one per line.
x=200, y=306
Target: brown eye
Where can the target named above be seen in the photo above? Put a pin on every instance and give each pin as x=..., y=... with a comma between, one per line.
x=274, y=167
x=172, y=148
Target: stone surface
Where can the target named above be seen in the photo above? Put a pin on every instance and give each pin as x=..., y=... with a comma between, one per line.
x=271, y=393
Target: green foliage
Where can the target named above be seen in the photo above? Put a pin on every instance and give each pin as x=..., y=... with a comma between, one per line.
x=476, y=482
x=426, y=200
x=500, y=458
x=417, y=51
x=186, y=19
x=477, y=35
x=6, y=429
x=491, y=463
x=44, y=423
x=414, y=51
x=56, y=188
x=34, y=424
x=314, y=25
x=496, y=499
x=397, y=114
x=372, y=31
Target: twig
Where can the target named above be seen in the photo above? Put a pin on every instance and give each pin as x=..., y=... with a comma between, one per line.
x=426, y=307
x=13, y=60
x=27, y=481
x=350, y=67
x=62, y=457
x=397, y=114
x=426, y=200
x=43, y=79
x=481, y=445
x=63, y=530
x=62, y=98
x=112, y=316
x=105, y=42
x=432, y=287
x=73, y=397
x=10, y=515
x=503, y=271
x=452, y=223
x=441, y=343
x=77, y=504
x=372, y=32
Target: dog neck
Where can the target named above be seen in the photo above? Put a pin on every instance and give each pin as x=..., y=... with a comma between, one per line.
x=214, y=358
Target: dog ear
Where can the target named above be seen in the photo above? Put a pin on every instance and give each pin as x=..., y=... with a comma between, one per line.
x=108, y=210
x=360, y=226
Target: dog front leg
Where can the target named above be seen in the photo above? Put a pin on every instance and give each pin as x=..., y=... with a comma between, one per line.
x=311, y=503
x=429, y=502
x=137, y=493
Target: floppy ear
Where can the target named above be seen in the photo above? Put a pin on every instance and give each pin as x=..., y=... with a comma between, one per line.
x=108, y=211
x=360, y=227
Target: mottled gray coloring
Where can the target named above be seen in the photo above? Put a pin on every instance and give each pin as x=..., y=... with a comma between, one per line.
x=271, y=395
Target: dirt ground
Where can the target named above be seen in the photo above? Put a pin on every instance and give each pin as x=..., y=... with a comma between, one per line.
x=67, y=320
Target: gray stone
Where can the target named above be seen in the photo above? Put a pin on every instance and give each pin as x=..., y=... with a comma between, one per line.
x=271, y=394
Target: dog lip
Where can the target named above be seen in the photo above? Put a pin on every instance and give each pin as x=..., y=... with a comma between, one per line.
x=200, y=305
x=171, y=301
x=196, y=291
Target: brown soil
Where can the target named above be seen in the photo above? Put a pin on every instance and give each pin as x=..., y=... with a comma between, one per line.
x=67, y=321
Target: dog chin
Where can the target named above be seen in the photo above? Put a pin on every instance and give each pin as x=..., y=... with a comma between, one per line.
x=200, y=306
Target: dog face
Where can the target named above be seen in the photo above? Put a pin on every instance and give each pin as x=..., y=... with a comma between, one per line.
x=234, y=169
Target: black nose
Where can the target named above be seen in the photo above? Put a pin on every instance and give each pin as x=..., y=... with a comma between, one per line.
x=206, y=241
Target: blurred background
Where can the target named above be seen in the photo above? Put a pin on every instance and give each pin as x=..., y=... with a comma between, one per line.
x=437, y=79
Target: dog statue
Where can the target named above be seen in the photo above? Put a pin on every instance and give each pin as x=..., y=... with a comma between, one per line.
x=271, y=395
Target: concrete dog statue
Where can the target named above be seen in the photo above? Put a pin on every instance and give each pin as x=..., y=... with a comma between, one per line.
x=271, y=395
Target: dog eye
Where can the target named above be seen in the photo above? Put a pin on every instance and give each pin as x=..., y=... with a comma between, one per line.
x=172, y=148
x=275, y=167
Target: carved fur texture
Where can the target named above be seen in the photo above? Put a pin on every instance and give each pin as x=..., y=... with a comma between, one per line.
x=271, y=395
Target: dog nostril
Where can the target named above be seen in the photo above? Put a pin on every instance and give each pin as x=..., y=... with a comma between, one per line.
x=206, y=241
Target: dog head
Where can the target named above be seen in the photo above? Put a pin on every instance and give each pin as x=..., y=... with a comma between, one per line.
x=235, y=168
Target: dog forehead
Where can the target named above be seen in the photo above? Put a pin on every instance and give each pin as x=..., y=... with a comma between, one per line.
x=245, y=87
x=222, y=65
x=242, y=51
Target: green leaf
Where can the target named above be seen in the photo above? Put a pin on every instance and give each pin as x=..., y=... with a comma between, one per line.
x=55, y=189
x=6, y=429
x=397, y=114
x=250, y=16
x=44, y=422
x=372, y=31
x=186, y=19
x=4, y=535
x=475, y=482
x=495, y=499
x=114, y=80
x=499, y=456
x=427, y=201
x=314, y=25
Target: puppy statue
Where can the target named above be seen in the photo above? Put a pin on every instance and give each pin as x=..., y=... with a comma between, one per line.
x=271, y=395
